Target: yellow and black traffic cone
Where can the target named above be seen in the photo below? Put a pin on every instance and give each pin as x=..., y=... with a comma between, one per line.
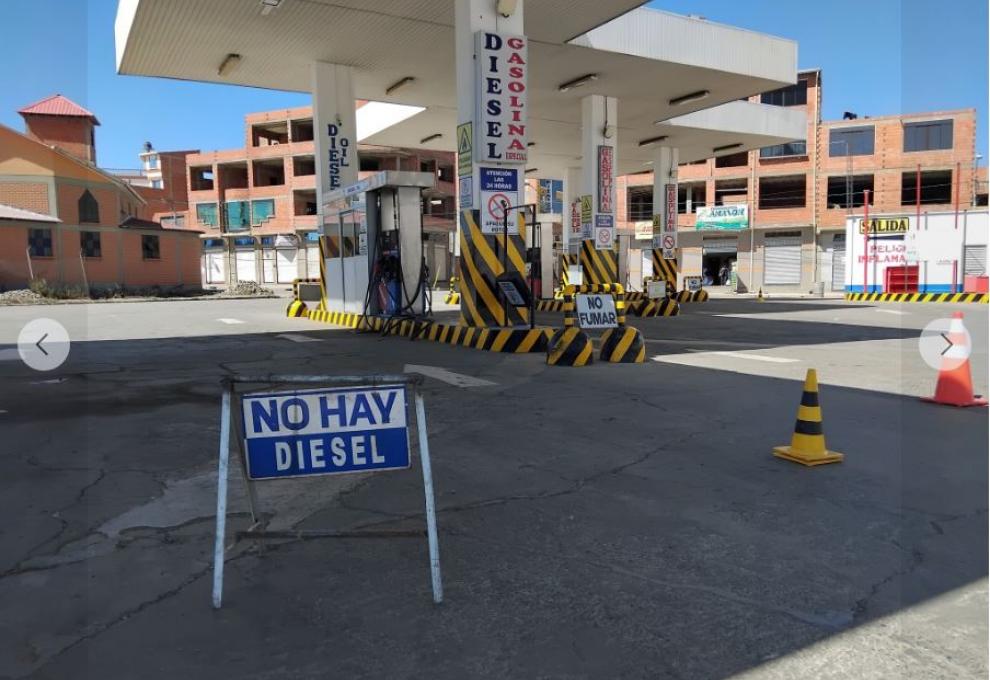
x=759, y=298
x=808, y=442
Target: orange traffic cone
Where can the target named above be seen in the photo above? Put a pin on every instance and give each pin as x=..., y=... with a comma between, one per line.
x=955, y=382
x=808, y=442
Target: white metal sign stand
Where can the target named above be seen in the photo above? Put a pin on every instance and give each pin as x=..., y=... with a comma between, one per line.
x=256, y=530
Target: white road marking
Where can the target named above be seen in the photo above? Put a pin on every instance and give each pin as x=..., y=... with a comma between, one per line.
x=295, y=337
x=757, y=357
x=891, y=311
x=9, y=354
x=735, y=355
x=449, y=377
x=230, y=321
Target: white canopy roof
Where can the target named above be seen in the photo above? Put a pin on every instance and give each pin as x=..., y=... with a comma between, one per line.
x=643, y=57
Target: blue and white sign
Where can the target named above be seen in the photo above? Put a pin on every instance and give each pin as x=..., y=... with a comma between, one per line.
x=499, y=189
x=325, y=431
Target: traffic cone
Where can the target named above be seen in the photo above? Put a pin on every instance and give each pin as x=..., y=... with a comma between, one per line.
x=955, y=381
x=759, y=298
x=808, y=442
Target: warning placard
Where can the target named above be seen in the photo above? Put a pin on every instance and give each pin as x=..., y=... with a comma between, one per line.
x=465, y=148
x=499, y=190
x=596, y=311
x=604, y=232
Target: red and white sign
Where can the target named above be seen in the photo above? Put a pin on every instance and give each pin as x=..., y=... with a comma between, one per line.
x=500, y=97
x=606, y=178
x=576, y=219
x=670, y=221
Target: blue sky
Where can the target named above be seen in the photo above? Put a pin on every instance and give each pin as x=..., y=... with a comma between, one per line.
x=878, y=57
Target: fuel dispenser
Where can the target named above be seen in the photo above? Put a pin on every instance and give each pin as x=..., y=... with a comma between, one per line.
x=375, y=263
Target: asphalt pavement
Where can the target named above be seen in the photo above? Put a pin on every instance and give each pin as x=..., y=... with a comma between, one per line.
x=610, y=521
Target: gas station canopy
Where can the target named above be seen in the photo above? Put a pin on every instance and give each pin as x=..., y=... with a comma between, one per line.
x=645, y=58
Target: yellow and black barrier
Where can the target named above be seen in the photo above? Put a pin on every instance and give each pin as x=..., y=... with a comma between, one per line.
x=664, y=270
x=297, y=308
x=655, y=307
x=598, y=266
x=616, y=289
x=570, y=346
x=700, y=295
x=452, y=297
x=505, y=340
x=918, y=297
x=482, y=257
x=623, y=345
x=550, y=305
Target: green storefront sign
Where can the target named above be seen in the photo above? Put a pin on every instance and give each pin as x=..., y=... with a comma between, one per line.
x=722, y=217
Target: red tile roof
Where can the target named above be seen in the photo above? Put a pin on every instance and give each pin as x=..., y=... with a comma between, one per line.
x=57, y=105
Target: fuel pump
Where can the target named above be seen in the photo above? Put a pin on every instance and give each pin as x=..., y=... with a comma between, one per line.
x=378, y=267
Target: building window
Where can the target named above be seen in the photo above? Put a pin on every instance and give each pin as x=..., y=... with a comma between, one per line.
x=799, y=148
x=445, y=173
x=792, y=95
x=262, y=211
x=269, y=172
x=370, y=164
x=201, y=178
x=689, y=197
x=157, y=184
x=303, y=166
x=782, y=192
x=174, y=221
x=153, y=161
x=732, y=160
x=238, y=215
x=89, y=209
x=851, y=141
x=301, y=130
x=206, y=214
x=40, y=242
x=150, y=249
x=639, y=203
x=730, y=191
x=847, y=192
x=936, y=187
x=89, y=244
x=930, y=135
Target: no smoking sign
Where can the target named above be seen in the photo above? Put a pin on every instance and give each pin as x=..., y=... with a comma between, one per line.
x=497, y=203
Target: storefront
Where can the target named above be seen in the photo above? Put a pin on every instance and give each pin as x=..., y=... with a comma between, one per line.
x=782, y=258
x=941, y=253
x=719, y=251
x=214, y=262
x=245, y=259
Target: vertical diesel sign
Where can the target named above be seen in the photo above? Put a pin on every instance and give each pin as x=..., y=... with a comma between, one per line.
x=501, y=97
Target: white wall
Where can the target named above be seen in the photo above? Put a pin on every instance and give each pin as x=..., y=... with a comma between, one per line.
x=938, y=241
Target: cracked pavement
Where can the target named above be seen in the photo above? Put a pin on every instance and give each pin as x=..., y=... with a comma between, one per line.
x=609, y=521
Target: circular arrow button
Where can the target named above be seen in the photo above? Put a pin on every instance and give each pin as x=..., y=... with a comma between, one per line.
x=43, y=344
x=945, y=344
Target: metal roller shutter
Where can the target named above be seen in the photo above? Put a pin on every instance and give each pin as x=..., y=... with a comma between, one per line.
x=246, y=265
x=216, y=267
x=720, y=245
x=839, y=262
x=782, y=260
x=313, y=261
x=976, y=261
x=285, y=264
x=268, y=265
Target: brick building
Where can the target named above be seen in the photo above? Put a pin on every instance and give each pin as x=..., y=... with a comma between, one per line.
x=258, y=205
x=795, y=197
x=66, y=221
